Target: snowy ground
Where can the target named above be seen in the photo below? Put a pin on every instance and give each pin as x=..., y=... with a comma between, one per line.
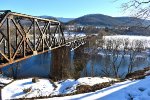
x=130, y=37
x=4, y=80
x=73, y=35
x=128, y=90
x=144, y=40
x=45, y=88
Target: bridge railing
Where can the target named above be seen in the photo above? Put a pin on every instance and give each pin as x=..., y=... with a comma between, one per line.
x=22, y=36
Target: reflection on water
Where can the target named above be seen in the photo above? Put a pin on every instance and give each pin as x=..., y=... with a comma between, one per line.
x=62, y=64
x=38, y=65
x=99, y=65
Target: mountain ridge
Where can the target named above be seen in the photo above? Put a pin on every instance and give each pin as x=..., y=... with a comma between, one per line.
x=61, y=19
x=105, y=20
x=101, y=20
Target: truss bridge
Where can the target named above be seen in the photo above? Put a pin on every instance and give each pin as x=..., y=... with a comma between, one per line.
x=23, y=36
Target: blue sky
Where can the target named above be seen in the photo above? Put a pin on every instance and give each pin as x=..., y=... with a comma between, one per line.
x=63, y=8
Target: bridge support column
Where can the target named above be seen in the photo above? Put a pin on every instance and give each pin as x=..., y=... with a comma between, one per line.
x=79, y=50
x=80, y=61
x=60, y=63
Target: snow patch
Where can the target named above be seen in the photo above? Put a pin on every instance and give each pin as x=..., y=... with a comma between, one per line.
x=25, y=88
x=94, y=80
x=128, y=90
x=16, y=89
x=144, y=40
x=4, y=79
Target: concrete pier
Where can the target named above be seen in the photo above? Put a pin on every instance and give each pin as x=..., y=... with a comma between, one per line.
x=60, y=63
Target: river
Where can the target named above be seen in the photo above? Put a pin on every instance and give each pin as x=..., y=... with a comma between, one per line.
x=73, y=65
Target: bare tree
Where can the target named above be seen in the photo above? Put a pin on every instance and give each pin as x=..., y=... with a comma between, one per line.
x=139, y=8
x=106, y=46
x=113, y=52
x=135, y=48
x=116, y=56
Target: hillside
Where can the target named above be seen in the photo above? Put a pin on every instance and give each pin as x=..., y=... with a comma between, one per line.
x=100, y=20
x=65, y=20
x=48, y=17
x=61, y=19
x=104, y=20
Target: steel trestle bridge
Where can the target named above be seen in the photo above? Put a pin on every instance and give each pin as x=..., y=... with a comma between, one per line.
x=23, y=36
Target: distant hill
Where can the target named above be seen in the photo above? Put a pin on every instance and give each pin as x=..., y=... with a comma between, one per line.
x=100, y=20
x=48, y=17
x=104, y=20
x=61, y=19
x=65, y=20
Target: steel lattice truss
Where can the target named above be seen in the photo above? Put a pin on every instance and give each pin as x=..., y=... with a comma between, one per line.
x=22, y=36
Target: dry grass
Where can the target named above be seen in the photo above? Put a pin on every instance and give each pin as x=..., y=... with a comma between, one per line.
x=27, y=90
x=140, y=74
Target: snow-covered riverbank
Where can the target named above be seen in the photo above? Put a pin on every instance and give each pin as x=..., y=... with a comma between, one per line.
x=127, y=41
x=25, y=88
x=127, y=90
